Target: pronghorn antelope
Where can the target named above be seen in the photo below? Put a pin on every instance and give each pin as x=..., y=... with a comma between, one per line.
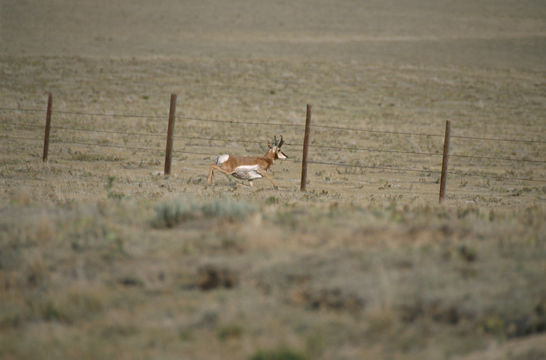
x=248, y=168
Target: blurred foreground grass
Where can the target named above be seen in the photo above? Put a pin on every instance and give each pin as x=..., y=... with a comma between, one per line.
x=268, y=279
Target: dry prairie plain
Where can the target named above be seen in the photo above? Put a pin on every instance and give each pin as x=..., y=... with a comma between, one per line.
x=101, y=257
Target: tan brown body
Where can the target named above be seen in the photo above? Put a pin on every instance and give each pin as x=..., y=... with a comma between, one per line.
x=247, y=168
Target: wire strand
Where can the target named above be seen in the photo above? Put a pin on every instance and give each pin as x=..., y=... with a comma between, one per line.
x=370, y=167
x=238, y=122
x=111, y=115
x=22, y=109
x=498, y=139
x=329, y=127
x=496, y=158
x=82, y=113
x=57, y=141
x=343, y=128
x=19, y=138
x=108, y=131
x=493, y=176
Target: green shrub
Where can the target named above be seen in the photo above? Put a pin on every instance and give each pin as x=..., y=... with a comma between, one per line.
x=171, y=213
x=231, y=210
x=174, y=212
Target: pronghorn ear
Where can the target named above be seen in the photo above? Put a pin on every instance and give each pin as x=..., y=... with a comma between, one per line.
x=281, y=155
x=269, y=144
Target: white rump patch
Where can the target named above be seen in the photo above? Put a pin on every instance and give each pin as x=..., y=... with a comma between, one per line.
x=247, y=172
x=220, y=159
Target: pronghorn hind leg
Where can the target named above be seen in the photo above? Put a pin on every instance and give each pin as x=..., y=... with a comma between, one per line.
x=211, y=172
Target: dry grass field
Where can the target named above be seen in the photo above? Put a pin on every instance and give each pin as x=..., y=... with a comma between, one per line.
x=101, y=257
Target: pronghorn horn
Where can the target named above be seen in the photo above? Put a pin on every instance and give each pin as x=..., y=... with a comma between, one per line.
x=280, y=142
x=275, y=140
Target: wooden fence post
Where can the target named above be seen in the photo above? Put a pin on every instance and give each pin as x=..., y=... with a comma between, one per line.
x=47, y=127
x=170, y=131
x=305, y=149
x=443, y=179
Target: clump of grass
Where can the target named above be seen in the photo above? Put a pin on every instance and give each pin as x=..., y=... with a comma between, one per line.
x=70, y=307
x=37, y=272
x=213, y=276
x=81, y=156
x=174, y=212
x=272, y=200
x=281, y=353
x=44, y=229
x=381, y=320
x=22, y=196
x=232, y=331
x=112, y=194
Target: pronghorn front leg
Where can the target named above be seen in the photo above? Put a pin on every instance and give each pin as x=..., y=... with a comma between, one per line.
x=211, y=172
x=211, y=175
x=264, y=174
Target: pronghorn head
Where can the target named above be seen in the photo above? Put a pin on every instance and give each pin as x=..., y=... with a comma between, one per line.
x=275, y=148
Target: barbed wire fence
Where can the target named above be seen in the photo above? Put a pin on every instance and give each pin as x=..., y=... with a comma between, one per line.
x=195, y=142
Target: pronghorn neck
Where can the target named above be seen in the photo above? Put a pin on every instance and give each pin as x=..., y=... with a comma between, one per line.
x=270, y=155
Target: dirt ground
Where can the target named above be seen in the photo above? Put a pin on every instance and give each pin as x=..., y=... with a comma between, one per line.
x=103, y=257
